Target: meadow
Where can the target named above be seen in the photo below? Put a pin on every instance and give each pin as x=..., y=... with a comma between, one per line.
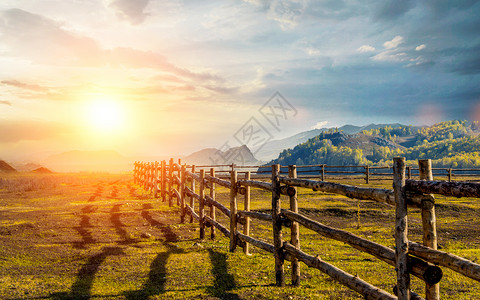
x=99, y=236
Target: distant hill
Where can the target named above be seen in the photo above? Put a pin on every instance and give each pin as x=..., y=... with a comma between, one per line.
x=448, y=144
x=272, y=149
x=42, y=170
x=6, y=168
x=28, y=167
x=239, y=155
x=90, y=161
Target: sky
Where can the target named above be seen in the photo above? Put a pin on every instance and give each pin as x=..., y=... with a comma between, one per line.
x=151, y=77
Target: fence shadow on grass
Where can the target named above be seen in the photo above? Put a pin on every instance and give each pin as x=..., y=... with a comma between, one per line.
x=82, y=229
x=115, y=215
x=223, y=281
x=157, y=277
x=81, y=288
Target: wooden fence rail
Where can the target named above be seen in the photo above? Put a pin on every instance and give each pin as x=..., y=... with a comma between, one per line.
x=174, y=180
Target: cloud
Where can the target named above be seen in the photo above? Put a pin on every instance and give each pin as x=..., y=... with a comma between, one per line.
x=5, y=102
x=391, y=56
x=130, y=10
x=393, y=9
x=45, y=41
x=467, y=60
x=394, y=43
x=420, y=47
x=320, y=125
x=26, y=86
x=365, y=48
x=287, y=12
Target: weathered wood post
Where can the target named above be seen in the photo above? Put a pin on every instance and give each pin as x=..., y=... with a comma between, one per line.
x=178, y=173
x=170, y=183
x=323, y=172
x=409, y=172
x=277, y=227
x=182, y=194
x=156, y=179
x=201, y=204
x=367, y=175
x=432, y=292
x=294, y=230
x=135, y=172
x=164, y=180
x=401, y=229
x=233, y=210
x=212, y=207
x=192, y=199
x=449, y=174
x=150, y=176
x=246, y=207
x=145, y=179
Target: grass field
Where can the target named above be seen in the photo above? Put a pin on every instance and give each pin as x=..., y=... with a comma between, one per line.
x=82, y=236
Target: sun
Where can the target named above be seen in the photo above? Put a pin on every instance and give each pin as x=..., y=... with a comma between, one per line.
x=105, y=115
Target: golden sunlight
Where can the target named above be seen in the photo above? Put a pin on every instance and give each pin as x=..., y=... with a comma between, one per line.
x=105, y=114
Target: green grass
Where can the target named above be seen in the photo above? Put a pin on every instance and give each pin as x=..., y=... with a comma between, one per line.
x=71, y=245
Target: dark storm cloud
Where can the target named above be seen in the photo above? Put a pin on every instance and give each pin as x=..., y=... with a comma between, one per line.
x=467, y=61
x=392, y=9
x=131, y=10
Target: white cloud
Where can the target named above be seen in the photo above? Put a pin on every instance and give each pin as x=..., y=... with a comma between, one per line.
x=320, y=125
x=391, y=56
x=313, y=51
x=394, y=43
x=365, y=48
x=421, y=47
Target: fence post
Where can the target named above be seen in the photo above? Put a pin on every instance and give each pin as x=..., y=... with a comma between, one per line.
x=192, y=199
x=323, y=172
x=212, y=207
x=432, y=292
x=277, y=227
x=145, y=175
x=182, y=194
x=401, y=229
x=135, y=172
x=233, y=210
x=170, y=183
x=246, y=207
x=409, y=172
x=178, y=173
x=449, y=174
x=155, y=184
x=367, y=175
x=295, y=232
x=201, y=204
x=164, y=180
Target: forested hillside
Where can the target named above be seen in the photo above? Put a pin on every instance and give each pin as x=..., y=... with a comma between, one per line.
x=449, y=144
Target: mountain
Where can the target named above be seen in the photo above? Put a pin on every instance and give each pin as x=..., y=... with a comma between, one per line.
x=6, y=168
x=42, y=170
x=238, y=155
x=272, y=149
x=90, y=161
x=27, y=167
x=336, y=148
x=449, y=144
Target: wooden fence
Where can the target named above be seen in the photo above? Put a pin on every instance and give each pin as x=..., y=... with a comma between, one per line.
x=177, y=181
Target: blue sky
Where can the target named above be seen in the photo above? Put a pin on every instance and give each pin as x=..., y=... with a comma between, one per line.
x=193, y=72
